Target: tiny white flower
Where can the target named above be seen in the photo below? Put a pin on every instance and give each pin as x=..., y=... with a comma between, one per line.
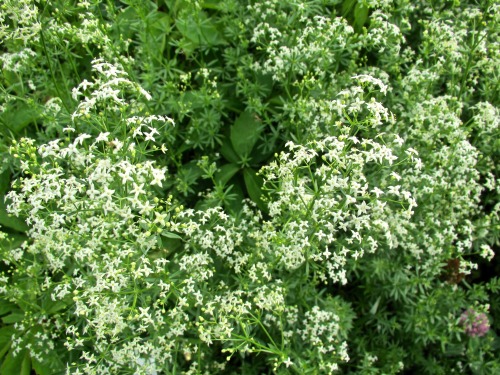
x=102, y=137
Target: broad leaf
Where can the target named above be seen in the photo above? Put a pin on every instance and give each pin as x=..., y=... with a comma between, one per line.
x=244, y=133
x=225, y=173
x=228, y=152
x=5, y=339
x=14, y=317
x=6, y=307
x=19, y=364
x=360, y=15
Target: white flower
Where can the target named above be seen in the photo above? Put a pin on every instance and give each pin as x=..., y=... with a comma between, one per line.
x=102, y=137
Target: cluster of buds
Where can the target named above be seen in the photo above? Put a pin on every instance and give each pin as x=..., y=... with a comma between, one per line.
x=475, y=324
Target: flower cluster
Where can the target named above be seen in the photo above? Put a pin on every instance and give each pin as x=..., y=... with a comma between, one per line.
x=327, y=201
x=475, y=323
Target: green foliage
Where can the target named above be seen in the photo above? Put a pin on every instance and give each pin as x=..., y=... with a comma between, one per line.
x=242, y=187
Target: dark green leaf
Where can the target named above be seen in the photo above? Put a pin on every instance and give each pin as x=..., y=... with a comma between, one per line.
x=13, y=241
x=51, y=364
x=11, y=221
x=225, y=173
x=235, y=204
x=54, y=307
x=254, y=187
x=228, y=152
x=6, y=307
x=41, y=368
x=244, y=133
x=159, y=21
x=4, y=183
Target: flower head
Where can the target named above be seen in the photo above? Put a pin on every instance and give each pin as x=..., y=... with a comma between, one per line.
x=475, y=324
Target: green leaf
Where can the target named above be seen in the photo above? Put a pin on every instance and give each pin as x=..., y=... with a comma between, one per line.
x=5, y=339
x=225, y=173
x=14, y=317
x=53, y=307
x=374, y=308
x=360, y=15
x=244, y=133
x=347, y=6
x=199, y=29
x=159, y=21
x=4, y=183
x=41, y=368
x=265, y=82
x=235, y=205
x=228, y=152
x=26, y=365
x=254, y=187
x=6, y=307
x=18, y=115
x=171, y=235
x=158, y=28
x=13, y=241
x=9, y=220
x=19, y=364
x=51, y=364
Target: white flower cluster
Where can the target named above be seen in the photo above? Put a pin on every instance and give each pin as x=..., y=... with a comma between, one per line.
x=25, y=15
x=325, y=210
x=106, y=89
x=313, y=48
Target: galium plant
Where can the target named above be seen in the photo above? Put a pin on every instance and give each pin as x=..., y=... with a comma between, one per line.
x=200, y=187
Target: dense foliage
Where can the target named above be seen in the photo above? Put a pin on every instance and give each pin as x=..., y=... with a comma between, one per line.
x=249, y=187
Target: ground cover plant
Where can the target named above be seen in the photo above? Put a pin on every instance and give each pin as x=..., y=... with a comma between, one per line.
x=249, y=187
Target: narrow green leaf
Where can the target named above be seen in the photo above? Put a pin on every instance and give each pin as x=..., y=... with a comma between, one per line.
x=244, y=133
x=171, y=235
x=41, y=368
x=374, y=308
x=56, y=306
x=225, y=173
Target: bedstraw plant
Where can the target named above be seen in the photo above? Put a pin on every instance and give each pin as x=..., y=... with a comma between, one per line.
x=249, y=187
